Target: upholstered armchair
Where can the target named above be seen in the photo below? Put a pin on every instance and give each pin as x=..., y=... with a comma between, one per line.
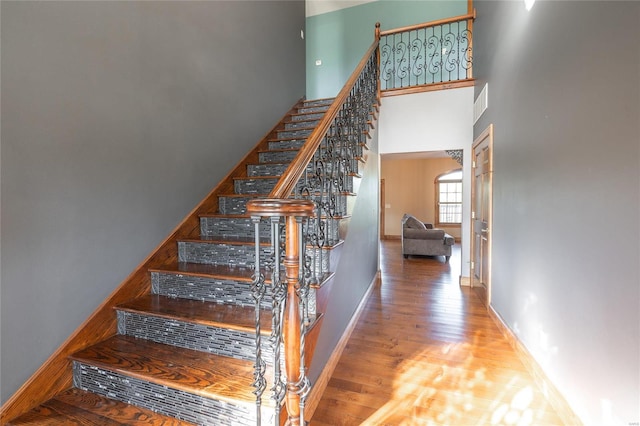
x=422, y=239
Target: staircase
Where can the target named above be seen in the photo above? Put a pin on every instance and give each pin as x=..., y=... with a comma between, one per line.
x=184, y=352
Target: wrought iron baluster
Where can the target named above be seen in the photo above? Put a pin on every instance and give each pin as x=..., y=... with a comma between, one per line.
x=258, y=292
x=302, y=291
x=278, y=297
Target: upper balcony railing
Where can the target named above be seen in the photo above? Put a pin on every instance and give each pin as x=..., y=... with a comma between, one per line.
x=428, y=56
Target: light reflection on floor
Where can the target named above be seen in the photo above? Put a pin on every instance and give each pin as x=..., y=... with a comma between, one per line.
x=425, y=352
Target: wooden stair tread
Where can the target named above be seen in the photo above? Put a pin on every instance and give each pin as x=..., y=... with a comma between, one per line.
x=327, y=100
x=304, y=138
x=297, y=121
x=268, y=164
x=241, y=318
x=280, y=150
x=298, y=128
x=237, y=241
x=301, y=114
x=234, y=195
x=239, y=273
x=77, y=407
x=257, y=177
x=200, y=373
x=246, y=216
x=224, y=272
x=246, y=241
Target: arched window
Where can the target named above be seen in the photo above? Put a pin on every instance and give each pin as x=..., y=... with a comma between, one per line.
x=449, y=198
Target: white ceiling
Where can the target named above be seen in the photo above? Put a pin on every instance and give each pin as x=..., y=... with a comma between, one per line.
x=318, y=7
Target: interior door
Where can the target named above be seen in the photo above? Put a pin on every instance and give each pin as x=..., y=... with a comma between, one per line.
x=382, y=211
x=481, y=202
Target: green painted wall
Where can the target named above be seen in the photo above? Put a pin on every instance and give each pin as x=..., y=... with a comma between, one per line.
x=339, y=39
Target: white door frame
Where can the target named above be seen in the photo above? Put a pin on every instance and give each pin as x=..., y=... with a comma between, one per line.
x=485, y=136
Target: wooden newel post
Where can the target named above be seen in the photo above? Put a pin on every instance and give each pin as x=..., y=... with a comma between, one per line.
x=292, y=210
x=292, y=321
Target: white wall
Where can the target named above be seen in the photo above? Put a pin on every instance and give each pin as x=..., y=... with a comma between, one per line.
x=433, y=121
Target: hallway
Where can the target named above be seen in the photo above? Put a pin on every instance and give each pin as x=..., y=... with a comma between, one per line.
x=425, y=352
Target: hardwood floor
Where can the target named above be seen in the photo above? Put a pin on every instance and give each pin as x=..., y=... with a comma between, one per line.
x=426, y=352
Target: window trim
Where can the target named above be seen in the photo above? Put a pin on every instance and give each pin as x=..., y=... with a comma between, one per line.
x=436, y=183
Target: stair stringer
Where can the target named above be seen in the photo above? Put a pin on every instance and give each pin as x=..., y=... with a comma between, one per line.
x=56, y=374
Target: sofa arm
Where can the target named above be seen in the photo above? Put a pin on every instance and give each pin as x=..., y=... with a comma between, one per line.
x=449, y=240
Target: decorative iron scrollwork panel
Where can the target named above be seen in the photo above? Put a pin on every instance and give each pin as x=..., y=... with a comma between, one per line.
x=434, y=54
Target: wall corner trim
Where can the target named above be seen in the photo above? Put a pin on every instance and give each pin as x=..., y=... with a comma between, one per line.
x=315, y=395
x=554, y=396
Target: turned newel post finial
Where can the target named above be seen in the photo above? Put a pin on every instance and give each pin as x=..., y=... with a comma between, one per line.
x=377, y=31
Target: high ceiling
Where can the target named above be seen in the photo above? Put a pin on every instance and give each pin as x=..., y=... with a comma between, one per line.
x=318, y=7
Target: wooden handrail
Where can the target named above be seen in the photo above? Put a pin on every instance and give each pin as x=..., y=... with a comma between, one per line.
x=292, y=175
x=430, y=24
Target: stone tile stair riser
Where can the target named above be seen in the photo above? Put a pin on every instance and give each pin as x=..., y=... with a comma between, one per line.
x=206, y=289
x=331, y=229
x=320, y=108
x=271, y=169
x=254, y=186
x=300, y=124
x=165, y=400
x=213, y=290
x=294, y=133
x=319, y=259
x=344, y=182
x=287, y=144
x=277, y=156
x=254, y=170
x=317, y=102
x=308, y=116
x=233, y=205
x=331, y=206
x=215, y=340
x=222, y=254
x=240, y=227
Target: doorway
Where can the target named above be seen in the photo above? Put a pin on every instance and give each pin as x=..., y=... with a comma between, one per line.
x=481, y=213
x=408, y=185
x=382, y=204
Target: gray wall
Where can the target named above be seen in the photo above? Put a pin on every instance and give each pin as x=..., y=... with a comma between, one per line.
x=564, y=96
x=117, y=119
x=358, y=261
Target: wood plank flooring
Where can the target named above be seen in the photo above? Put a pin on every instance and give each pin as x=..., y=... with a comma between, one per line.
x=77, y=407
x=426, y=352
